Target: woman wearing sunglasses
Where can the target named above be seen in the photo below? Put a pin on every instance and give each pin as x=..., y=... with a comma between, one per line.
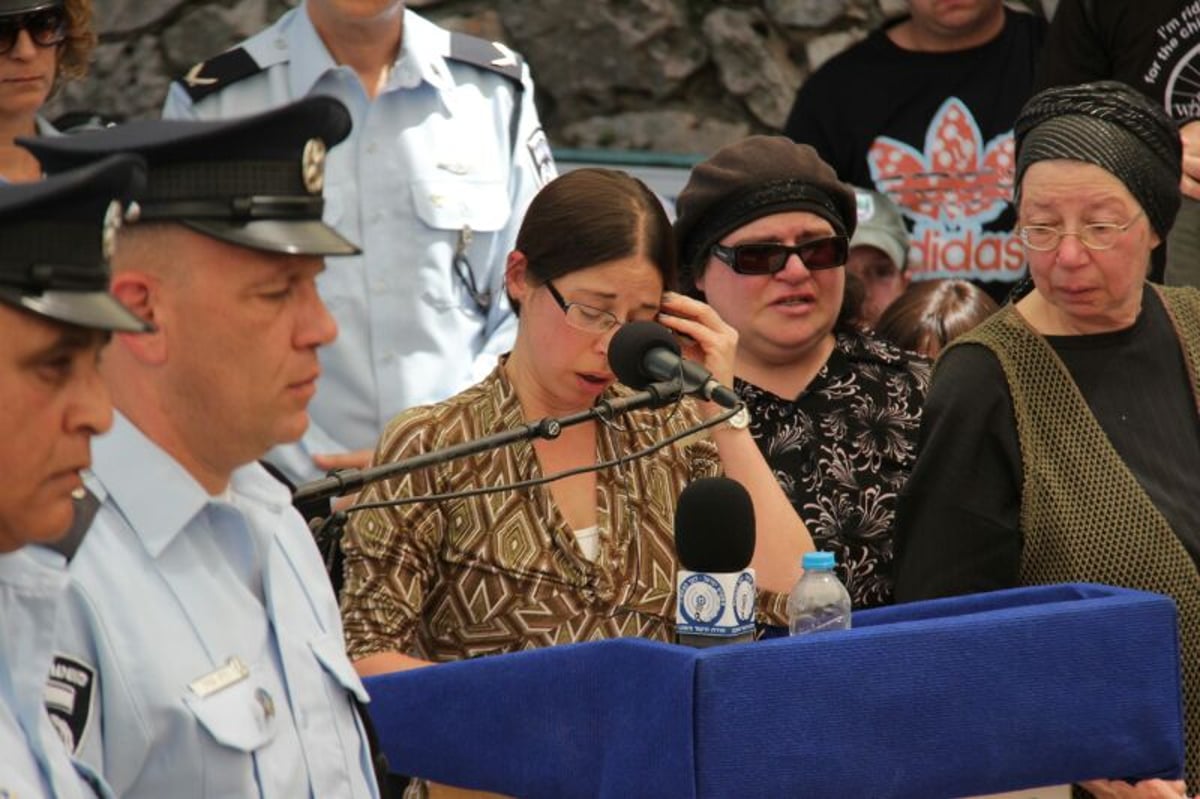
x=589, y=556
x=42, y=42
x=764, y=228
x=1061, y=441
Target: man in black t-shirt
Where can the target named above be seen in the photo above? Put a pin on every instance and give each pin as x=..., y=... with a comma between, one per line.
x=922, y=110
x=1153, y=46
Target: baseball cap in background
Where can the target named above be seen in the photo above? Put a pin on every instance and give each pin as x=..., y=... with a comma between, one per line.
x=57, y=237
x=255, y=181
x=880, y=225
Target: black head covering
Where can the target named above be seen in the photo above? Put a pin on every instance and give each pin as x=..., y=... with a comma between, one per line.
x=1113, y=126
x=752, y=178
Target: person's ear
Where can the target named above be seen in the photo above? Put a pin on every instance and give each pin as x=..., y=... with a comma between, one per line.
x=516, y=278
x=141, y=293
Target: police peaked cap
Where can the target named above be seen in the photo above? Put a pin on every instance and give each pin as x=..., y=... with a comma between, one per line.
x=255, y=181
x=56, y=238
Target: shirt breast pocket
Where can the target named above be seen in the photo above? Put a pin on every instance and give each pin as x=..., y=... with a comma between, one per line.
x=240, y=716
x=465, y=214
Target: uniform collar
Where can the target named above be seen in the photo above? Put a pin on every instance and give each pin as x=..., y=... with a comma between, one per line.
x=155, y=494
x=421, y=57
x=34, y=570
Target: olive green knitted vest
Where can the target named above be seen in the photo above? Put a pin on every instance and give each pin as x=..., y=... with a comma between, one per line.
x=1084, y=516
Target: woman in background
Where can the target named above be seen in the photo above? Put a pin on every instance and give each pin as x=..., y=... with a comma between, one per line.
x=931, y=313
x=1061, y=439
x=764, y=228
x=42, y=44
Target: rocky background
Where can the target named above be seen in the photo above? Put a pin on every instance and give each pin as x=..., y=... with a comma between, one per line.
x=673, y=76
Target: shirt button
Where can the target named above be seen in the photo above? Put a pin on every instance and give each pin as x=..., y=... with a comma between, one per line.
x=372, y=147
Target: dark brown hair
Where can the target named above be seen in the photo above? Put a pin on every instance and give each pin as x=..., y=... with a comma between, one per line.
x=75, y=53
x=589, y=216
x=931, y=313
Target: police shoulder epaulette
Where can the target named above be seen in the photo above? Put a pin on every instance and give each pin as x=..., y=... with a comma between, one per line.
x=492, y=56
x=218, y=72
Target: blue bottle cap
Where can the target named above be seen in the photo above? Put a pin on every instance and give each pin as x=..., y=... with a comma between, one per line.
x=818, y=560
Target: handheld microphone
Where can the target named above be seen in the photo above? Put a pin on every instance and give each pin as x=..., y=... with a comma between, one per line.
x=714, y=538
x=642, y=352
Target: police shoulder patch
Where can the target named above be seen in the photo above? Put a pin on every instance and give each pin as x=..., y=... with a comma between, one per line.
x=218, y=72
x=68, y=697
x=492, y=56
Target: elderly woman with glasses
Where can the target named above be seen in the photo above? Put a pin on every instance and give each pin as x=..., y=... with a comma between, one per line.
x=764, y=228
x=1061, y=440
x=588, y=556
x=42, y=42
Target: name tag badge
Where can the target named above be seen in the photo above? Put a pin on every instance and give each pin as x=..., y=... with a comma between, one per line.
x=233, y=672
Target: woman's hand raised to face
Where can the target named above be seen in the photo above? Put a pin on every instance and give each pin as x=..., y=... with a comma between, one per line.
x=703, y=335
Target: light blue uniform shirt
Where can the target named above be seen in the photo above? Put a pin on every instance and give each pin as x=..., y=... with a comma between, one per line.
x=33, y=761
x=430, y=157
x=214, y=636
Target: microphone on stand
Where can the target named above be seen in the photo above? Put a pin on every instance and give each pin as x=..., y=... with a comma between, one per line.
x=642, y=352
x=714, y=538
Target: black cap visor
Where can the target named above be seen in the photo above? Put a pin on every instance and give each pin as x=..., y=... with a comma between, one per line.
x=98, y=310
x=291, y=236
x=9, y=7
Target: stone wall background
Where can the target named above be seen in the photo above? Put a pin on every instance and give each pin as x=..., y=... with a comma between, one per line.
x=675, y=76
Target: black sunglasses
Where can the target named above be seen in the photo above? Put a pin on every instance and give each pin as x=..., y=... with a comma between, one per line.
x=767, y=259
x=47, y=27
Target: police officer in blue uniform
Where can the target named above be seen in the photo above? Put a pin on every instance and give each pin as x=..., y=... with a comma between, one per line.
x=55, y=317
x=199, y=611
x=445, y=155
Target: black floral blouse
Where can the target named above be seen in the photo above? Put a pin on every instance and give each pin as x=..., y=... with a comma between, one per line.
x=842, y=451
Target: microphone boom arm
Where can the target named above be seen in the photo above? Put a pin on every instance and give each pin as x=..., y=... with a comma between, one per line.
x=345, y=481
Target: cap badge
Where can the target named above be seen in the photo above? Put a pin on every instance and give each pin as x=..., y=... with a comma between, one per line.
x=112, y=223
x=313, y=166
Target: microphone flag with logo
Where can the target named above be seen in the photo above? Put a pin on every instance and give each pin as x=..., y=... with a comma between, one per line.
x=714, y=539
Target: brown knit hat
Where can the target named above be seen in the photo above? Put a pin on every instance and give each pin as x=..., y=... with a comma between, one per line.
x=1113, y=126
x=753, y=178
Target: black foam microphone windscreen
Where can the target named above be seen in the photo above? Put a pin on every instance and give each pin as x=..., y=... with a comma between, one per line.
x=628, y=349
x=714, y=526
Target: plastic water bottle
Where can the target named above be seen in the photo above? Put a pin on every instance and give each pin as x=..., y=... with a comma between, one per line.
x=818, y=602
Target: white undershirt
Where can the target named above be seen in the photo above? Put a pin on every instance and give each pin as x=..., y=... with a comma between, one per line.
x=589, y=541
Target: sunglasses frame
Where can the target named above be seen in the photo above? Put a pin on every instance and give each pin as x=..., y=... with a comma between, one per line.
x=729, y=255
x=15, y=23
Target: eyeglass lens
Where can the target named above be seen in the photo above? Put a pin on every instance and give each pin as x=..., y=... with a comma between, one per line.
x=46, y=27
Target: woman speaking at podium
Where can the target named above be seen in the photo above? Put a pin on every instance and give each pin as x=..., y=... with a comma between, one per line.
x=589, y=556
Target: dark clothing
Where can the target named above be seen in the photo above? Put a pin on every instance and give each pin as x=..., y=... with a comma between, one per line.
x=1082, y=465
x=842, y=449
x=958, y=521
x=1130, y=42
x=934, y=132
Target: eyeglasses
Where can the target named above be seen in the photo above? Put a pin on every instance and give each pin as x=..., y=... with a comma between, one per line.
x=1096, y=236
x=767, y=259
x=584, y=317
x=47, y=27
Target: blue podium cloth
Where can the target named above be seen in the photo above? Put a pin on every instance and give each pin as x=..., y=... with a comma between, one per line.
x=952, y=697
